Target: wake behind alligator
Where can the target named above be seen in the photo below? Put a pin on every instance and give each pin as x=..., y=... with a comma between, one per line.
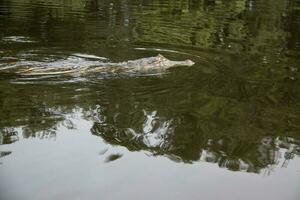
x=75, y=65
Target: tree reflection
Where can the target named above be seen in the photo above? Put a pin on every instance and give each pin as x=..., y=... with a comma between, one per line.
x=8, y=135
x=164, y=137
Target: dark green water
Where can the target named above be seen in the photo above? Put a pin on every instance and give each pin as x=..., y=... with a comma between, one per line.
x=226, y=128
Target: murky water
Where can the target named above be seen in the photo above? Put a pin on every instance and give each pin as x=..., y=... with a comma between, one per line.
x=225, y=128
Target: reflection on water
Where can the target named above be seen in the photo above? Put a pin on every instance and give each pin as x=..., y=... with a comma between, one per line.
x=236, y=110
x=113, y=157
x=247, y=135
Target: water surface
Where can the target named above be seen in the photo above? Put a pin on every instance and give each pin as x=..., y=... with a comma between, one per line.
x=225, y=128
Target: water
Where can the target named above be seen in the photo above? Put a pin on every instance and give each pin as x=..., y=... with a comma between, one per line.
x=225, y=128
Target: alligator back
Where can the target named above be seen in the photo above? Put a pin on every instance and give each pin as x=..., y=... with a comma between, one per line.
x=158, y=62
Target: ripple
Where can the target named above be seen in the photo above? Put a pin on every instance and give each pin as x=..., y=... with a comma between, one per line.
x=18, y=39
x=166, y=50
x=81, y=55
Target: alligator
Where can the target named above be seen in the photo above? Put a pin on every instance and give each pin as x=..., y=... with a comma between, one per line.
x=156, y=63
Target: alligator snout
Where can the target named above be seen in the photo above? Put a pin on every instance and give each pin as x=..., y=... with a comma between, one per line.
x=189, y=62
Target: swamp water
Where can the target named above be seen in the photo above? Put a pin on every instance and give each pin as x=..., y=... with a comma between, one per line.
x=225, y=128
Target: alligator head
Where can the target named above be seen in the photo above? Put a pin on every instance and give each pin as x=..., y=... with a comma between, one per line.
x=158, y=62
x=166, y=63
